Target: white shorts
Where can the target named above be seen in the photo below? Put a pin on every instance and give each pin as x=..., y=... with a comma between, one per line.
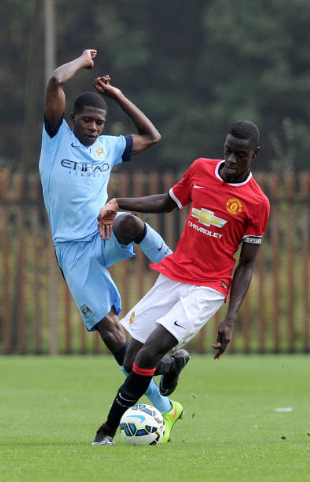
x=183, y=309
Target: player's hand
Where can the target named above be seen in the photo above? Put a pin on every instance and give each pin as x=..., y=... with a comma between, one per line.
x=106, y=219
x=102, y=84
x=224, y=336
x=89, y=55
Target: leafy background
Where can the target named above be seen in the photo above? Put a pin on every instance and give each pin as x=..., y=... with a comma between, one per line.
x=193, y=68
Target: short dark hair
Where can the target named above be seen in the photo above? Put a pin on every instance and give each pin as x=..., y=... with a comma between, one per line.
x=244, y=129
x=90, y=99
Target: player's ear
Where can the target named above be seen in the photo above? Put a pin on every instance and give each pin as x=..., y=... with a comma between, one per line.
x=256, y=152
x=72, y=118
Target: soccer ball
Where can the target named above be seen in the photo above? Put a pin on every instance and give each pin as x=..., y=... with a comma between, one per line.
x=142, y=425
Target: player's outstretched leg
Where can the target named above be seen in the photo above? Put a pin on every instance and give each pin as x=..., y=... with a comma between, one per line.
x=129, y=228
x=153, y=245
x=171, y=411
x=169, y=381
x=127, y=395
x=159, y=401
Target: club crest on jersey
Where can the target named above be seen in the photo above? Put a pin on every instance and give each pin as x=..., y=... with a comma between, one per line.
x=85, y=310
x=207, y=218
x=234, y=206
x=100, y=152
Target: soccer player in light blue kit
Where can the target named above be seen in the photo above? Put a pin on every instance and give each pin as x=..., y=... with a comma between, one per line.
x=75, y=168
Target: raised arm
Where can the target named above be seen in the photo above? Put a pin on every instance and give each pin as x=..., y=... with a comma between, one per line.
x=158, y=203
x=55, y=100
x=147, y=132
x=240, y=284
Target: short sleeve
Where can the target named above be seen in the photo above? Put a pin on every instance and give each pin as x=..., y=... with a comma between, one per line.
x=128, y=149
x=257, y=223
x=52, y=132
x=51, y=138
x=121, y=147
x=181, y=192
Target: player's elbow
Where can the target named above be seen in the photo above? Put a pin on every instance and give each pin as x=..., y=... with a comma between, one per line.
x=144, y=142
x=54, y=81
x=157, y=137
x=154, y=138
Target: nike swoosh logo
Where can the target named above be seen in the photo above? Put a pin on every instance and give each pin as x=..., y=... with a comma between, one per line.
x=198, y=187
x=159, y=249
x=177, y=324
x=175, y=413
x=73, y=145
x=123, y=398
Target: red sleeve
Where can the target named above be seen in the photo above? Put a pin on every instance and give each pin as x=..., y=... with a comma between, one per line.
x=257, y=223
x=181, y=192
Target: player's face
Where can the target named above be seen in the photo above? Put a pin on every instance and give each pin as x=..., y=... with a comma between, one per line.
x=88, y=124
x=238, y=155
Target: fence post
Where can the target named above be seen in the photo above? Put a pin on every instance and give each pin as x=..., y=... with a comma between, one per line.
x=52, y=296
x=274, y=228
x=67, y=320
x=18, y=318
x=289, y=183
x=261, y=288
x=34, y=183
x=246, y=323
x=82, y=350
x=304, y=184
x=5, y=177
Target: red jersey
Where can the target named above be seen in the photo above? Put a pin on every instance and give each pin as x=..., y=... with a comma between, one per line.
x=222, y=215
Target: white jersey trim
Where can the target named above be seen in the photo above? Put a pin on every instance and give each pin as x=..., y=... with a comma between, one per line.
x=175, y=199
x=237, y=184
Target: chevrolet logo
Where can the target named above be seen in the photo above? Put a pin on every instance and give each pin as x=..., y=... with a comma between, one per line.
x=207, y=218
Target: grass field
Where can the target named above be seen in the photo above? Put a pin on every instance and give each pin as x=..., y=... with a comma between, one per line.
x=51, y=408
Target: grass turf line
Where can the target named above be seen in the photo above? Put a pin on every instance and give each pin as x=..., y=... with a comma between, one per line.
x=51, y=408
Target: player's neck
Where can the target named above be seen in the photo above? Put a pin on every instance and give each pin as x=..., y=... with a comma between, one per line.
x=233, y=178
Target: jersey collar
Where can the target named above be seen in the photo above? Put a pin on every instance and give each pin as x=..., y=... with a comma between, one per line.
x=236, y=184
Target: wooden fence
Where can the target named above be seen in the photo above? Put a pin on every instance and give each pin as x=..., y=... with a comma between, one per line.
x=38, y=315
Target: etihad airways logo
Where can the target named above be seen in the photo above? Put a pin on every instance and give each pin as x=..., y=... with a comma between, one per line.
x=85, y=170
x=207, y=218
x=77, y=166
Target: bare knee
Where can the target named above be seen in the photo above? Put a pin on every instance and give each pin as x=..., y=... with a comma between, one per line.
x=128, y=364
x=146, y=358
x=129, y=359
x=127, y=227
x=131, y=353
x=160, y=342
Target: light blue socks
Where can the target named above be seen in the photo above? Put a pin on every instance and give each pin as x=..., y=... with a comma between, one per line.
x=153, y=245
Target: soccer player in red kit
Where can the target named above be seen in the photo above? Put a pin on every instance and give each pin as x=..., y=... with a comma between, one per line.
x=227, y=208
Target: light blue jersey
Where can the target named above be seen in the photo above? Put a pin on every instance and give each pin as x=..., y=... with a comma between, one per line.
x=75, y=179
